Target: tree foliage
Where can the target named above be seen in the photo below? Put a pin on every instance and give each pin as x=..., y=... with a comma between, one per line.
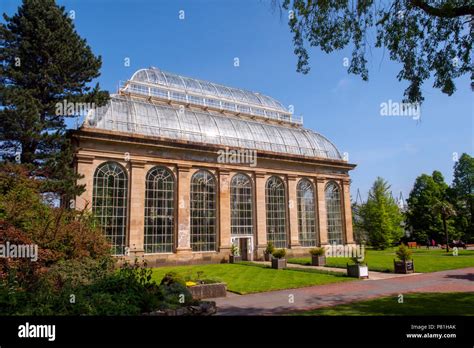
x=380, y=216
x=426, y=36
x=422, y=216
x=27, y=219
x=45, y=62
x=462, y=196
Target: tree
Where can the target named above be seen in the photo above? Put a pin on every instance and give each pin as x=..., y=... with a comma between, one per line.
x=421, y=216
x=360, y=234
x=462, y=195
x=446, y=210
x=380, y=216
x=45, y=64
x=424, y=36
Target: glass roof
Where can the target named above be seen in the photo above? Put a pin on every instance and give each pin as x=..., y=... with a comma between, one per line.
x=131, y=115
x=159, y=77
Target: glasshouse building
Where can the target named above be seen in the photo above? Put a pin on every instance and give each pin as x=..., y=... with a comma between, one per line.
x=178, y=169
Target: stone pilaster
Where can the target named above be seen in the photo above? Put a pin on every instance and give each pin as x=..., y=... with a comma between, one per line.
x=137, y=208
x=184, y=224
x=86, y=167
x=224, y=210
x=347, y=211
x=261, y=212
x=322, y=212
x=293, y=211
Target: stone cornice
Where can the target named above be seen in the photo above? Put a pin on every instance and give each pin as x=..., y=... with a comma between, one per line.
x=184, y=168
x=137, y=164
x=84, y=158
x=121, y=137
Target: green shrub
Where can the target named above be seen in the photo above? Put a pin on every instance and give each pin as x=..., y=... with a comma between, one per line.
x=174, y=296
x=269, y=249
x=73, y=273
x=127, y=291
x=279, y=253
x=403, y=253
x=172, y=278
x=318, y=251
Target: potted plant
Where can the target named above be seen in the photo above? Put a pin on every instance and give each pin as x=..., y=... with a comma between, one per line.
x=278, y=260
x=405, y=264
x=318, y=257
x=234, y=254
x=358, y=268
x=268, y=251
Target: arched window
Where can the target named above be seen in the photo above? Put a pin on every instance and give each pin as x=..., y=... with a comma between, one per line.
x=203, y=212
x=241, y=205
x=159, y=211
x=109, y=203
x=306, y=213
x=334, y=215
x=276, y=211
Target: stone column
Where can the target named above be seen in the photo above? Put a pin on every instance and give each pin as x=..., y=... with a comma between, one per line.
x=347, y=211
x=260, y=213
x=137, y=208
x=86, y=167
x=293, y=211
x=322, y=213
x=224, y=211
x=184, y=224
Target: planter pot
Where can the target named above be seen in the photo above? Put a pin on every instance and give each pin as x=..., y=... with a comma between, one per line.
x=235, y=258
x=208, y=290
x=267, y=257
x=278, y=263
x=318, y=260
x=358, y=271
x=404, y=267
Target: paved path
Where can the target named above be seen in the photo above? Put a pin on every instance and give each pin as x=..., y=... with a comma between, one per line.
x=272, y=302
x=372, y=274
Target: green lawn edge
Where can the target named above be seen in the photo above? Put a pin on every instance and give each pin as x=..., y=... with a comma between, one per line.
x=439, y=304
x=248, y=278
x=426, y=260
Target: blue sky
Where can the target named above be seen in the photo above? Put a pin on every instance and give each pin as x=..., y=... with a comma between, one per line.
x=340, y=106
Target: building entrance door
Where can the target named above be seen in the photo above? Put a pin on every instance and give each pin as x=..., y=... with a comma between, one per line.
x=244, y=248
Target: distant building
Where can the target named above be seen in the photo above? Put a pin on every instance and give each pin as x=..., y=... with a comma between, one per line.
x=177, y=169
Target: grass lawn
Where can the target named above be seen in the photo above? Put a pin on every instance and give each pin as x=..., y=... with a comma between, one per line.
x=250, y=278
x=426, y=260
x=454, y=303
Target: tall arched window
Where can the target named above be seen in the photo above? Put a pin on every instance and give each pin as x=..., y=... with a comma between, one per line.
x=159, y=211
x=241, y=205
x=334, y=214
x=276, y=211
x=203, y=212
x=109, y=203
x=306, y=213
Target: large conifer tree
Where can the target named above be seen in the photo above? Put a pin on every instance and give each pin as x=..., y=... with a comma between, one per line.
x=45, y=62
x=380, y=216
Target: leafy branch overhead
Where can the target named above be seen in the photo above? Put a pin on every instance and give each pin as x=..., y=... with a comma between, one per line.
x=430, y=38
